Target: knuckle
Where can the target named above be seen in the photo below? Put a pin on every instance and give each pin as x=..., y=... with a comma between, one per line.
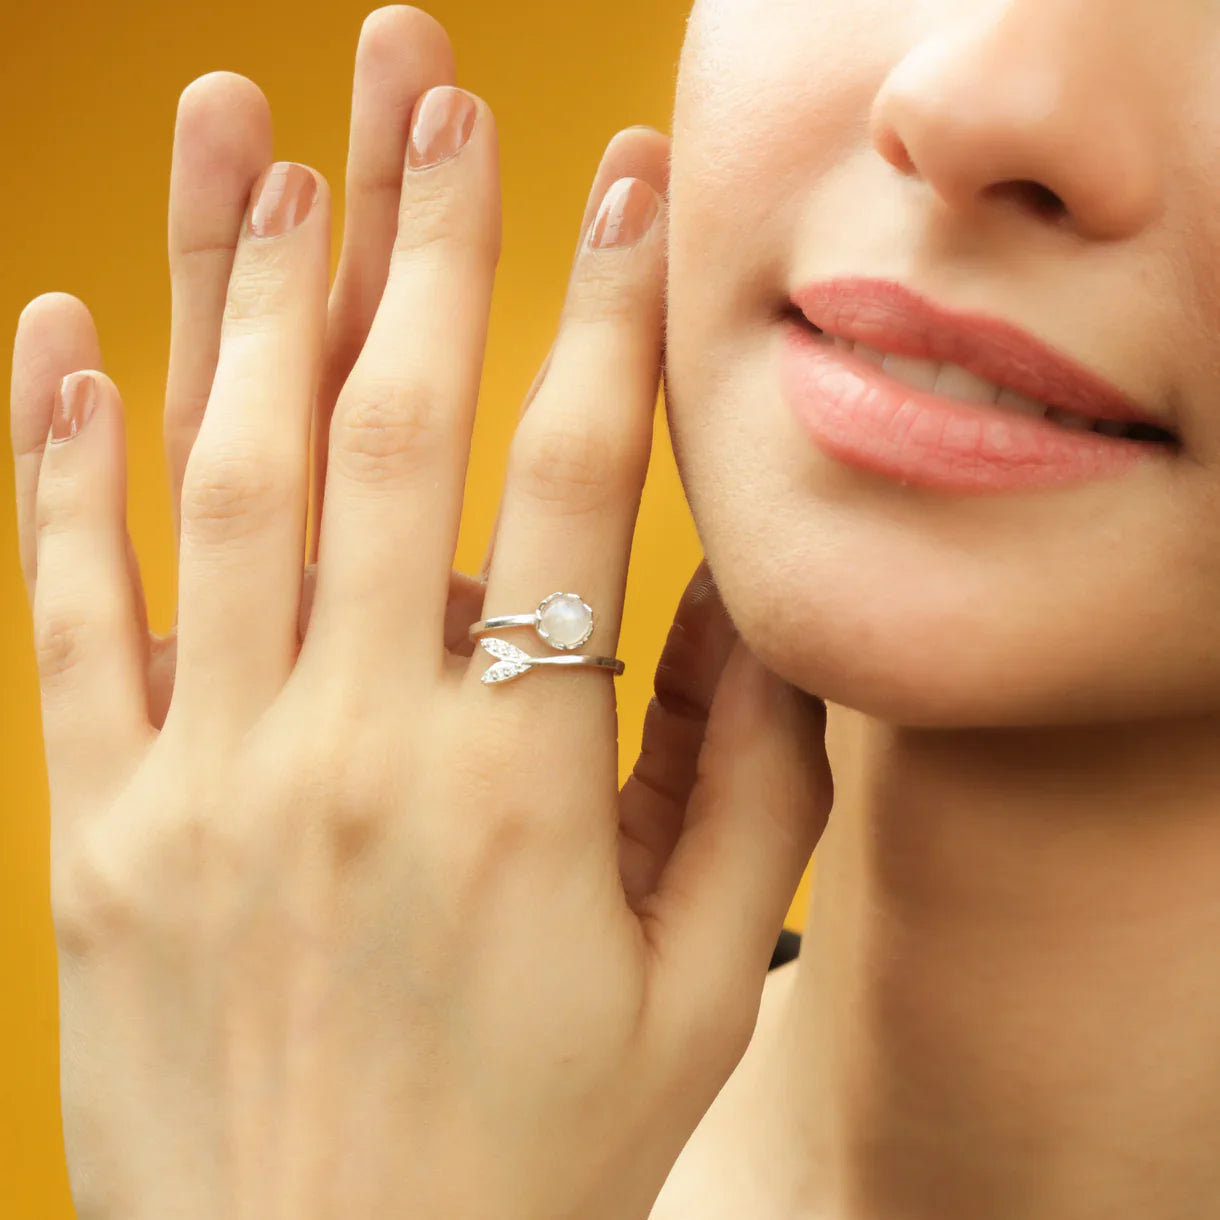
x=506, y=831
x=502, y=819
x=608, y=291
x=227, y=491
x=574, y=467
x=387, y=430
x=58, y=507
x=432, y=220
x=339, y=786
x=92, y=902
x=60, y=642
x=258, y=288
x=351, y=826
x=508, y=820
x=351, y=817
x=441, y=220
x=201, y=847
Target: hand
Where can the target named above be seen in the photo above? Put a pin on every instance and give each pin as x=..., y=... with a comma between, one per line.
x=346, y=931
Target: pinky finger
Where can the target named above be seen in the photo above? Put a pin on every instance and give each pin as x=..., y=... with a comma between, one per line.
x=87, y=619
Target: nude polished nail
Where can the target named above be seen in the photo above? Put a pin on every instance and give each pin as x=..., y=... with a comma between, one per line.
x=75, y=398
x=444, y=119
x=283, y=196
x=625, y=215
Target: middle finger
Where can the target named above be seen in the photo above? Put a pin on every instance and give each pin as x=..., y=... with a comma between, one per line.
x=402, y=53
x=400, y=434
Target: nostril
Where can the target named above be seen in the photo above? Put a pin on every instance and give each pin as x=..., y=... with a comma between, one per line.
x=1039, y=199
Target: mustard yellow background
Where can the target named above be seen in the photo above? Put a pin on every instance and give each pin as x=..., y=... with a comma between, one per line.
x=87, y=99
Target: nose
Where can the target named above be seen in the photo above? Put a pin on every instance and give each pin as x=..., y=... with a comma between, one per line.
x=1044, y=105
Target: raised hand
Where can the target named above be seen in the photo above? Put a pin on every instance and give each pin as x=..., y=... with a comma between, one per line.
x=222, y=142
x=308, y=918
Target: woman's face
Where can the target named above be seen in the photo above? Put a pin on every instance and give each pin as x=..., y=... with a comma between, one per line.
x=1054, y=164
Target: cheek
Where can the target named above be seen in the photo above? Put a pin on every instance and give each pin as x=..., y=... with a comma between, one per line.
x=754, y=128
x=1098, y=606
x=771, y=91
x=1094, y=607
x=939, y=615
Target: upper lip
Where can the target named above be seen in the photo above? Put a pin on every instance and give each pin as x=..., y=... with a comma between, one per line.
x=888, y=316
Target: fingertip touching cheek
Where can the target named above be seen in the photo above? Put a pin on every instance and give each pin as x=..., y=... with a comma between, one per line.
x=943, y=351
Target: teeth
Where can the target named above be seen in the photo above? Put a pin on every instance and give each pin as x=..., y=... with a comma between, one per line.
x=955, y=382
x=1010, y=400
x=918, y=374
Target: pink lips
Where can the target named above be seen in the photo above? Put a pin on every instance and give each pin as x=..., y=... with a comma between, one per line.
x=860, y=415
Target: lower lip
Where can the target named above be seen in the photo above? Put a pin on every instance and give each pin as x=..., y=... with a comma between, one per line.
x=857, y=414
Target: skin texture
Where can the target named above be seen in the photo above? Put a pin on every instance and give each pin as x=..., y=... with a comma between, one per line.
x=793, y=117
x=294, y=909
x=1007, y=1000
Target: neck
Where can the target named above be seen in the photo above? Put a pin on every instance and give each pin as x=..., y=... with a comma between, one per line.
x=1007, y=1002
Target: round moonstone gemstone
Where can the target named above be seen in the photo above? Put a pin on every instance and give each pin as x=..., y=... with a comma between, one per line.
x=565, y=621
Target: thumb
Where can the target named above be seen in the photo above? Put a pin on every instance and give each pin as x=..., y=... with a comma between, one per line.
x=761, y=800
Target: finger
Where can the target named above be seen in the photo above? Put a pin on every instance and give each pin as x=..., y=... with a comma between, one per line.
x=652, y=804
x=577, y=463
x=635, y=152
x=245, y=489
x=755, y=815
x=402, y=52
x=465, y=606
x=400, y=434
x=55, y=336
x=87, y=633
x=222, y=142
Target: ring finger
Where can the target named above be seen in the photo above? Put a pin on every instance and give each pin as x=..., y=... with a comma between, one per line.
x=577, y=461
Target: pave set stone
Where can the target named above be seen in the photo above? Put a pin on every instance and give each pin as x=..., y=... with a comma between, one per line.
x=563, y=620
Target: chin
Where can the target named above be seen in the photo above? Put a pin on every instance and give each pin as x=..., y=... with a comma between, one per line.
x=899, y=653
x=1094, y=602
x=901, y=668
x=926, y=612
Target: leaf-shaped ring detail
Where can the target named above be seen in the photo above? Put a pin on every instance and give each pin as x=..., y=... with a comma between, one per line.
x=512, y=662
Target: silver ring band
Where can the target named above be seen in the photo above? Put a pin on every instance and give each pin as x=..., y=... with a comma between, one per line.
x=504, y=620
x=563, y=620
x=512, y=662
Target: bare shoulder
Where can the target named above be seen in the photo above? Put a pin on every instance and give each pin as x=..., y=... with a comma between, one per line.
x=721, y=1173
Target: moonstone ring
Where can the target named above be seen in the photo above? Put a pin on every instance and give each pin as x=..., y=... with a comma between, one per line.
x=563, y=620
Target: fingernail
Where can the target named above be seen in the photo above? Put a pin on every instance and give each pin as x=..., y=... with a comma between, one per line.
x=444, y=119
x=626, y=214
x=74, y=402
x=283, y=197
